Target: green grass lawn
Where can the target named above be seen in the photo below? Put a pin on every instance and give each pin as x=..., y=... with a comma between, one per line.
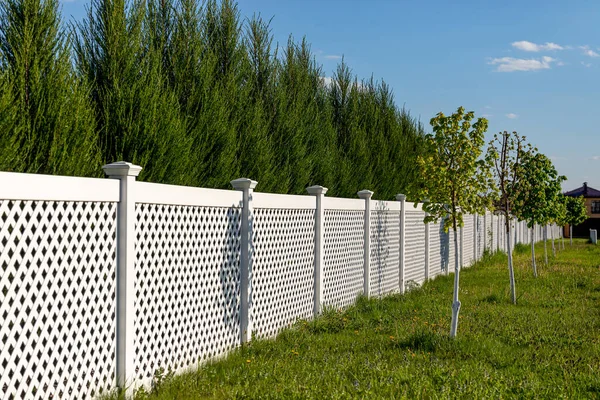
x=547, y=346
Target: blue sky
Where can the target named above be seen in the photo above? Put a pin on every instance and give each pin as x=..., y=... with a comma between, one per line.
x=529, y=66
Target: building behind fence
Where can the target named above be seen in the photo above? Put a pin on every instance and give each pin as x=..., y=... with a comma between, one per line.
x=105, y=281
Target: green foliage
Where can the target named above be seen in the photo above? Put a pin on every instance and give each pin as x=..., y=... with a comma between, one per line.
x=397, y=347
x=537, y=195
x=575, y=210
x=196, y=96
x=46, y=121
x=507, y=153
x=137, y=115
x=453, y=176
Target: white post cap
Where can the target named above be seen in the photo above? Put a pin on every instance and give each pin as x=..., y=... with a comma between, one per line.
x=400, y=197
x=316, y=190
x=243, y=184
x=365, y=194
x=122, y=168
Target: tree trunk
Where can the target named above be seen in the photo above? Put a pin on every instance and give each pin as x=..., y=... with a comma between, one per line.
x=533, y=254
x=571, y=234
x=545, y=244
x=513, y=292
x=455, y=301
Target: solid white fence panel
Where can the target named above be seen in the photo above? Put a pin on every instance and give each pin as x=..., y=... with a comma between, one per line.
x=468, y=235
x=385, y=248
x=187, y=285
x=438, y=250
x=58, y=261
x=480, y=236
x=283, y=268
x=343, y=254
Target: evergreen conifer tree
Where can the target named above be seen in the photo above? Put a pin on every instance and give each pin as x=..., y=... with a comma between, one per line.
x=46, y=120
x=137, y=114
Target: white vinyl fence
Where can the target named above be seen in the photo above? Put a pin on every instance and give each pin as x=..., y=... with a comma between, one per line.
x=106, y=281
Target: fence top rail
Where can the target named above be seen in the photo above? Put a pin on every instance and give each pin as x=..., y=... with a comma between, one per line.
x=37, y=187
x=412, y=207
x=337, y=203
x=283, y=201
x=158, y=193
x=382, y=205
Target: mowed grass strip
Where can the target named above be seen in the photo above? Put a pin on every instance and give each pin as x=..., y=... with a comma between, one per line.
x=547, y=346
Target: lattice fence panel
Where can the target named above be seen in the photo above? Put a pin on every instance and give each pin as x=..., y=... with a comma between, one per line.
x=283, y=268
x=187, y=285
x=414, y=256
x=343, y=256
x=58, y=299
x=385, y=251
x=469, y=240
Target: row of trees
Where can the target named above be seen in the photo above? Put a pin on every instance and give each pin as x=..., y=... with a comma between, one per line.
x=512, y=178
x=194, y=94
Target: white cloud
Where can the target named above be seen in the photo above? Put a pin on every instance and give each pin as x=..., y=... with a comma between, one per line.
x=589, y=52
x=587, y=65
x=333, y=57
x=509, y=64
x=327, y=81
x=487, y=107
x=529, y=46
x=487, y=115
x=595, y=158
x=512, y=116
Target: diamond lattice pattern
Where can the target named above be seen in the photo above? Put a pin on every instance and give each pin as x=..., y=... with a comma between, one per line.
x=385, y=250
x=283, y=268
x=343, y=256
x=58, y=299
x=187, y=285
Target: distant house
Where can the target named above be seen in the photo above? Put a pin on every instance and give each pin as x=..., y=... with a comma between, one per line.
x=592, y=204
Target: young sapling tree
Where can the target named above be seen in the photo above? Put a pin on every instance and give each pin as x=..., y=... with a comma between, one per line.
x=536, y=192
x=506, y=153
x=576, y=213
x=452, y=177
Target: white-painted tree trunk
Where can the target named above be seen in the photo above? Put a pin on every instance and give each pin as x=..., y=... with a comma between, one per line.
x=455, y=301
x=533, y=254
x=571, y=234
x=513, y=291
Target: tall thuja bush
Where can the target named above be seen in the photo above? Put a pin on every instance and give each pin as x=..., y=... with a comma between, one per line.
x=137, y=115
x=256, y=152
x=46, y=121
x=354, y=172
x=300, y=134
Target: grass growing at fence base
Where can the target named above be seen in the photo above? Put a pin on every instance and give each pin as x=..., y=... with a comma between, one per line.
x=547, y=346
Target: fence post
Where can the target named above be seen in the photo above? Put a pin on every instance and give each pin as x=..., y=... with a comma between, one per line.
x=246, y=186
x=366, y=195
x=485, y=230
x=319, y=193
x=475, y=237
x=462, y=247
x=426, y=248
x=125, y=293
x=402, y=199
